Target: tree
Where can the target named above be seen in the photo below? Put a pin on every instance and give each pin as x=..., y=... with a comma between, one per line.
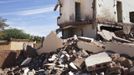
x=36, y=38
x=15, y=34
x=2, y=23
x=18, y=34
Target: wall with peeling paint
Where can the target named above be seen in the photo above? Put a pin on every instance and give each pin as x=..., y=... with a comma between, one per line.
x=67, y=10
x=86, y=9
x=106, y=10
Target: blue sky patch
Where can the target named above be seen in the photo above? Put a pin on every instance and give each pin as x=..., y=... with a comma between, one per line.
x=33, y=16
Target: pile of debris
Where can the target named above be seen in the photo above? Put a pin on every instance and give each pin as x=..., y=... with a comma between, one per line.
x=72, y=57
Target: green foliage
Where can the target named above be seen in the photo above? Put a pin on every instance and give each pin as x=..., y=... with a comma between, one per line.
x=2, y=23
x=14, y=33
x=7, y=34
x=18, y=34
x=36, y=38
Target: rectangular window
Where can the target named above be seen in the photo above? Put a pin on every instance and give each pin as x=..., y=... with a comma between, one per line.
x=131, y=14
x=77, y=11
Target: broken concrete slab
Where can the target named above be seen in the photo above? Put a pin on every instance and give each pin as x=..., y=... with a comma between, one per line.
x=105, y=35
x=97, y=59
x=84, y=53
x=119, y=39
x=71, y=58
x=78, y=62
x=92, y=40
x=51, y=43
x=89, y=46
x=121, y=48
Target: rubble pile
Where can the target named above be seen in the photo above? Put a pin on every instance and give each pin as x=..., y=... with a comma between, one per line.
x=73, y=60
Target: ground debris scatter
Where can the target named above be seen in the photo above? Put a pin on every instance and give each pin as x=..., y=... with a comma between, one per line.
x=78, y=56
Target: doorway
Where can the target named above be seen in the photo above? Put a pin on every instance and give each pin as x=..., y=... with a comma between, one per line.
x=119, y=11
x=77, y=11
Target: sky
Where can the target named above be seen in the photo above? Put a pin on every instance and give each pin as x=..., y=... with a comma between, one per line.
x=35, y=17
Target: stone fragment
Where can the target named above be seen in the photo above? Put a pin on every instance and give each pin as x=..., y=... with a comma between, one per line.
x=51, y=43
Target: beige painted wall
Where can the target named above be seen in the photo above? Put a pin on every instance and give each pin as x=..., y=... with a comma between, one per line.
x=5, y=46
x=19, y=45
x=15, y=45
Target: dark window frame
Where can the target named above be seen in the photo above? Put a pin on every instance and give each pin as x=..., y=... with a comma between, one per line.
x=131, y=16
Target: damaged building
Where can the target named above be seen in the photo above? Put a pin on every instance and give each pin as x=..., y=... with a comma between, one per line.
x=109, y=21
x=88, y=17
x=97, y=39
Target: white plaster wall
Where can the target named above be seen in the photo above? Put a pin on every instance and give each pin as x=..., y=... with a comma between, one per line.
x=128, y=6
x=86, y=9
x=68, y=10
x=106, y=10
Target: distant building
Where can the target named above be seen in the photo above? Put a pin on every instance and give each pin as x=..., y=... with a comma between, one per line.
x=86, y=17
x=16, y=44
